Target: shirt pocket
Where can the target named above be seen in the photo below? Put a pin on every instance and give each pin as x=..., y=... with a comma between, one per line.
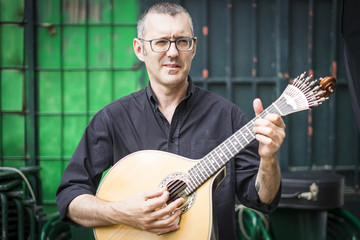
x=201, y=147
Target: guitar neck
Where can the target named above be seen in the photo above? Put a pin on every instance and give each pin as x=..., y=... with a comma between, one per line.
x=299, y=96
x=217, y=158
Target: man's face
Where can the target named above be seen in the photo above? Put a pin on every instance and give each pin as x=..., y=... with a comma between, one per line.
x=170, y=68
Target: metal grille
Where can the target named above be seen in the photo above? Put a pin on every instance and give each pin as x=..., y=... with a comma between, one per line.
x=85, y=61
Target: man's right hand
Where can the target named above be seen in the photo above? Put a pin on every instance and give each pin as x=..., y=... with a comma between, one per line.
x=145, y=211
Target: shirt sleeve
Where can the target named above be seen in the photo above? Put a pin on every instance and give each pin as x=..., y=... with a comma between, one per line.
x=246, y=167
x=92, y=156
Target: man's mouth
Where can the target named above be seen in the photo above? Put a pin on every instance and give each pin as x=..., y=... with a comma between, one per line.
x=172, y=65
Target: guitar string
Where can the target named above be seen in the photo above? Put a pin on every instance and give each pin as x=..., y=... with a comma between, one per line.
x=179, y=187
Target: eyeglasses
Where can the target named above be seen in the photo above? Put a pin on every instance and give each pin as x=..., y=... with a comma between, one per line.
x=160, y=45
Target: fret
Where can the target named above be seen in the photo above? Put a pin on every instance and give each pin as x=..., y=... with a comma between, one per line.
x=251, y=124
x=214, y=155
x=220, y=153
x=262, y=114
x=229, y=157
x=209, y=164
x=221, y=156
x=226, y=151
x=212, y=161
x=251, y=133
x=236, y=142
x=239, y=136
x=275, y=109
x=206, y=168
x=234, y=150
x=192, y=175
x=189, y=190
x=244, y=136
x=191, y=186
x=202, y=176
x=197, y=177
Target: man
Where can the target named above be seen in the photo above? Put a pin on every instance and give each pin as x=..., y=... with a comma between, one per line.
x=173, y=115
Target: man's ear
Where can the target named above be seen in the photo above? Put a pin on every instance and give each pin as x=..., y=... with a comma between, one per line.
x=138, y=49
x=194, y=50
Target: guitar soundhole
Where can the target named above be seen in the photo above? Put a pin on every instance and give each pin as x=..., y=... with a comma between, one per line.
x=176, y=190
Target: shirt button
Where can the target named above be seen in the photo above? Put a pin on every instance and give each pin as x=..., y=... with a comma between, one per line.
x=172, y=140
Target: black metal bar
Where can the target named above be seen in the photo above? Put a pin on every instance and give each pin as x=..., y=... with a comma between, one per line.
x=254, y=46
x=19, y=113
x=87, y=68
x=254, y=38
x=339, y=81
x=30, y=83
x=205, y=45
x=20, y=68
x=310, y=42
x=62, y=91
x=4, y=216
x=118, y=24
x=229, y=45
x=112, y=51
x=282, y=58
x=1, y=115
x=12, y=23
x=20, y=226
x=30, y=88
x=333, y=68
x=87, y=49
x=24, y=158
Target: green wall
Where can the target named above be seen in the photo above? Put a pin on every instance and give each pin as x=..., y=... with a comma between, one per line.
x=83, y=60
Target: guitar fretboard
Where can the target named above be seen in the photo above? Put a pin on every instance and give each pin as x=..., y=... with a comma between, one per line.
x=217, y=158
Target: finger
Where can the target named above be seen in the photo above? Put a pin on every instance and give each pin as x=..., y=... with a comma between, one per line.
x=155, y=193
x=264, y=139
x=276, y=119
x=158, y=201
x=271, y=120
x=257, y=105
x=165, y=229
x=167, y=210
x=167, y=223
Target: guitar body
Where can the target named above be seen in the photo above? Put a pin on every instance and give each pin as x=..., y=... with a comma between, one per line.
x=144, y=171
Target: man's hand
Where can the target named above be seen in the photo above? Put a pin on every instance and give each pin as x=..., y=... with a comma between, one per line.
x=146, y=211
x=270, y=132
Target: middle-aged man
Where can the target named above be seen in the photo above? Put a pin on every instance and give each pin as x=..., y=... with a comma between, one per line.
x=173, y=115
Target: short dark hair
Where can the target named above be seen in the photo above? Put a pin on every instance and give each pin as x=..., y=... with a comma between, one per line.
x=162, y=8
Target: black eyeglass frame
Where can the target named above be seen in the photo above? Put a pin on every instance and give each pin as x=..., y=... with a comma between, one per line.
x=170, y=42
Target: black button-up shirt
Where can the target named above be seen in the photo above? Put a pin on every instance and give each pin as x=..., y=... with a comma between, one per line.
x=200, y=123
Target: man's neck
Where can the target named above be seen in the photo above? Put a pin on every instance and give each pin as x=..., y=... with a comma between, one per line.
x=169, y=98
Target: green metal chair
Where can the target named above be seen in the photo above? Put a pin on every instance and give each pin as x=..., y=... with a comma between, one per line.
x=341, y=224
x=55, y=229
x=251, y=224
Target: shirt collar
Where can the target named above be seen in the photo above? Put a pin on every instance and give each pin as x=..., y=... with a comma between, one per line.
x=153, y=100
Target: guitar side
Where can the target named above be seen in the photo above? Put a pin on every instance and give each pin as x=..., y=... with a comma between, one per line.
x=144, y=171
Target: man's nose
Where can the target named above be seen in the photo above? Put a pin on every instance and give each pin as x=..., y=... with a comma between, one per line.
x=172, y=52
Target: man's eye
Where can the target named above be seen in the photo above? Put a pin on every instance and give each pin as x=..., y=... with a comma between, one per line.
x=183, y=41
x=161, y=42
